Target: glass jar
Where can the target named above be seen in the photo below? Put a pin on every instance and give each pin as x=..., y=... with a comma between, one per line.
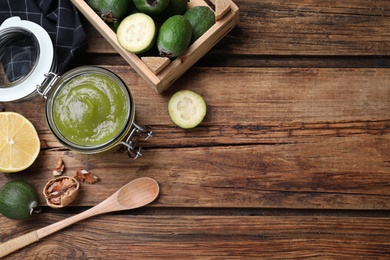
x=89, y=109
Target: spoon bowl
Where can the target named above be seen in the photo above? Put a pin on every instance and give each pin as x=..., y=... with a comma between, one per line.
x=138, y=193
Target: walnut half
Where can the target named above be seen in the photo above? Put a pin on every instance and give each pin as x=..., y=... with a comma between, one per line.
x=61, y=191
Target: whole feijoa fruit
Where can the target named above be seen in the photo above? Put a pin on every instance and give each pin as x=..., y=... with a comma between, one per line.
x=201, y=19
x=18, y=200
x=174, y=36
x=111, y=10
x=151, y=7
x=175, y=7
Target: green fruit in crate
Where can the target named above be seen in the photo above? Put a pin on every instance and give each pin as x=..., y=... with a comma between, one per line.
x=137, y=33
x=151, y=7
x=18, y=200
x=174, y=36
x=175, y=7
x=201, y=19
x=111, y=10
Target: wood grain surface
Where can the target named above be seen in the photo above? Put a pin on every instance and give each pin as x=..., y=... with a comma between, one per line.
x=291, y=162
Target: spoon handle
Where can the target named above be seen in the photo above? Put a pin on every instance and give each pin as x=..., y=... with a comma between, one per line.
x=52, y=228
x=18, y=243
x=34, y=236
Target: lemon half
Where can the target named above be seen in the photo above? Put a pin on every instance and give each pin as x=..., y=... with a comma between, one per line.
x=19, y=142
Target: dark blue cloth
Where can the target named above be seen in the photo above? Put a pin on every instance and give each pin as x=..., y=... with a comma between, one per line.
x=60, y=19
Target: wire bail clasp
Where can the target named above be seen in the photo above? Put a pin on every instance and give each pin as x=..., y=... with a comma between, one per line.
x=50, y=79
x=131, y=144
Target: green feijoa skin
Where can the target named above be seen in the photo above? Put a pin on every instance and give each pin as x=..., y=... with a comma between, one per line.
x=174, y=36
x=18, y=200
x=201, y=19
x=175, y=7
x=115, y=25
x=111, y=10
x=151, y=7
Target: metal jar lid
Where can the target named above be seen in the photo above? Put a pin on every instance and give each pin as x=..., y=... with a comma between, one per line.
x=12, y=30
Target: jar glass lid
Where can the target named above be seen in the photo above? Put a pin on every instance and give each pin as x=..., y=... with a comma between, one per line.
x=26, y=55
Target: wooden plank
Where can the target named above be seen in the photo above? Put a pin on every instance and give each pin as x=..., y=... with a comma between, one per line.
x=210, y=237
x=264, y=97
x=351, y=174
x=314, y=28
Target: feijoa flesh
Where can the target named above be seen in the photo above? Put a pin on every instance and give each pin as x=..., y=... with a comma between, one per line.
x=18, y=200
x=174, y=36
x=201, y=19
x=187, y=109
x=137, y=33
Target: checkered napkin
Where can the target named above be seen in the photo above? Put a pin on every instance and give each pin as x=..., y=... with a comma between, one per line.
x=60, y=19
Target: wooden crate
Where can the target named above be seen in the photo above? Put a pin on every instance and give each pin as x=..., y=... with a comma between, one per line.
x=161, y=77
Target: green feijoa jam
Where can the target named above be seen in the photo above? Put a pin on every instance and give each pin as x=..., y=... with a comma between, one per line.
x=90, y=110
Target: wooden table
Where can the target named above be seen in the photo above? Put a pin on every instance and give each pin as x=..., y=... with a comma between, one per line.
x=291, y=161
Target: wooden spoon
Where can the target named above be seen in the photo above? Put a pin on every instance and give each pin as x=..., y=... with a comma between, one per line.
x=135, y=194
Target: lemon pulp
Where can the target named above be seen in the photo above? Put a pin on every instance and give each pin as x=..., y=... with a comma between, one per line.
x=19, y=142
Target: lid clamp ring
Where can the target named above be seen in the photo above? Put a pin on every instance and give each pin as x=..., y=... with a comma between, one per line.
x=131, y=144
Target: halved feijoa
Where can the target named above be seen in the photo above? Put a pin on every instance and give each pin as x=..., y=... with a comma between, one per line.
x=137, y=33
x=187, y=109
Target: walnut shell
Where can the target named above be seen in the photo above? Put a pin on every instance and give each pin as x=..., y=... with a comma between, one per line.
x=61, y=191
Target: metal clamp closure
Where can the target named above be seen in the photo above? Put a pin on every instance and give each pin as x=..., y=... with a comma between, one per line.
x=131, y=144
x=50, y=79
